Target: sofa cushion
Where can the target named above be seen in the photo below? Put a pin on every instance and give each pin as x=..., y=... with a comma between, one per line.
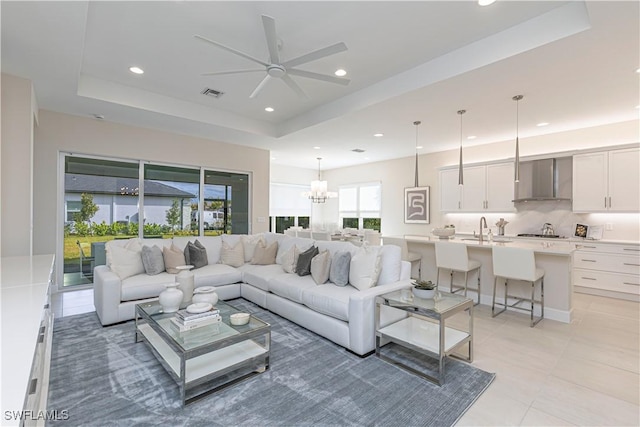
x=390, y=264
x=213, y=244
x=143, y=286
x=320, y=267
x=216, y=275
x=302, y=243
x=173, y=257
x=161, y=243
x=303, y=266
x=250, y=243
x=335, y=247
x=339, y=271
x=291, y=286
x=259, y=276
x=232, y=255
x=265, y=255
x=270, y=237
x=195, y=254
x=290, y=259
x=152, y=260
x=125, y=262
x=365, y=268
x=329, y=299
x=181, y=241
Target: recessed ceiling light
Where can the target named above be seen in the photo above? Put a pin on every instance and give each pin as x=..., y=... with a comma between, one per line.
x=637, y=106
x=378, y=135
x=471, y=137
x=316, y=148
x=486, y=2
x=637, y=70
x=136, y=70
x=367, y=158
x=273, y=158
x=340, y=73
x=269, y=109
x=542, y=124
x=419, y=147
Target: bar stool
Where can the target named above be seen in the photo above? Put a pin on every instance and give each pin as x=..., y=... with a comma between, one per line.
x=517, y=264
x=454, y=257
x=405, y=254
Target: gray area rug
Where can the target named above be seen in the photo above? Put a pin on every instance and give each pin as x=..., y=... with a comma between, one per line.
x=102, y=377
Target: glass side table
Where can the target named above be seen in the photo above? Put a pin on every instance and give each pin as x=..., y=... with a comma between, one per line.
x=423, y=328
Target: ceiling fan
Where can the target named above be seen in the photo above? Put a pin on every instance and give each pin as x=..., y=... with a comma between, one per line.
x=275, y=68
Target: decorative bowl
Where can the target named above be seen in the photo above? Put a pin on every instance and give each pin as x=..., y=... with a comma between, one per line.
x=443, y=232
x=424, y=293
x=239, y=319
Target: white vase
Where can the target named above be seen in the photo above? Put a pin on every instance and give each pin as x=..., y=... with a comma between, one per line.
x=185, y=280
x=205, y=294
x=171, y=298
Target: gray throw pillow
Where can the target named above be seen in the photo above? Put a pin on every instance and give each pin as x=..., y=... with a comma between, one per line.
x=339, y=273
x=303, y=267
x=196, y=254
x=152, y=260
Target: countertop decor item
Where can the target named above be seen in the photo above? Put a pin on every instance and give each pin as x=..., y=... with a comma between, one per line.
x=205, y=294
x=199, y=307
x=501, y=224
x=171, y=298
x=443, y=233
x=238, y=319
x=424, y=289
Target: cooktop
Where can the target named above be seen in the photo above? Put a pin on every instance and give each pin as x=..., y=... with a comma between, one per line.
x=549, y=236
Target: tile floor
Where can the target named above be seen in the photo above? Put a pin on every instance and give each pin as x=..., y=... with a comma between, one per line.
x=556, y=374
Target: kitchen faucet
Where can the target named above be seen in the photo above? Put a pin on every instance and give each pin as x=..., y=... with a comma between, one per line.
x=482, y=219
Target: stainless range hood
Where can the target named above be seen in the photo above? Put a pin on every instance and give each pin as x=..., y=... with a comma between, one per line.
x=546, y=179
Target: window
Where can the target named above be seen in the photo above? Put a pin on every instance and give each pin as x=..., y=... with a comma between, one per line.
x=73, y=207
x=288, y=208
x=226, y=203
x=359, y=205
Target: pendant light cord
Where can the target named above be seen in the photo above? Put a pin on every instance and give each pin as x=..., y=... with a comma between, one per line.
x=416, y=124
x=517, y=98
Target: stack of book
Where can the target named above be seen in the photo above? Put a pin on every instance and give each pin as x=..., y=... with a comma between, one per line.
x=185, y=321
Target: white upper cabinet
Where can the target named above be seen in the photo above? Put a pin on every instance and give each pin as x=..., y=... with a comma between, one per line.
x=487, y=188
x=607, y=181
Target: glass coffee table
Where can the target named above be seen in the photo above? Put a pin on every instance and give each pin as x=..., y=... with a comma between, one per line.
x=209, y=358
x=420, y=325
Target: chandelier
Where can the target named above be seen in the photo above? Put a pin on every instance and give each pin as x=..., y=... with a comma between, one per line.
x=319, y=193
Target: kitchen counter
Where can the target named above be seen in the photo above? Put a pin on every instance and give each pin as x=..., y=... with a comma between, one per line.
x=552, y=255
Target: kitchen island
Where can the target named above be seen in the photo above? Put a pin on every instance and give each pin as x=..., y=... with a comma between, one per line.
x=552, y=255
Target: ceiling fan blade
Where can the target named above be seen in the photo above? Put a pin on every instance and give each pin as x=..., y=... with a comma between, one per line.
x=219, y=73
x=269, y=25
x=260, y=86
x=232, y=50
x=324, y=77
x=316, y=54
x=294, y=86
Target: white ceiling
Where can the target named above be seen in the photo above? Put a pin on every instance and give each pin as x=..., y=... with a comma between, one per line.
x=573, y=61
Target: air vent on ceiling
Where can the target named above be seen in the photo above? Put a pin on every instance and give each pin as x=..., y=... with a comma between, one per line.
x=358, y=150
x=212, y=92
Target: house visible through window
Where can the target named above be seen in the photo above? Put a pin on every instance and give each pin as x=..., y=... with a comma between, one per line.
x=359, y=205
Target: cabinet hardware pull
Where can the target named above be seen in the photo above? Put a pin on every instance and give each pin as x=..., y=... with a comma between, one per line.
x=629, y=283
x=629, y=249
x=589, y=260
x=590, y=247
x=46, y=306
x=605, y=202
x=609, y=202
x=33, y=385
x=635, y=265
x=588, y=278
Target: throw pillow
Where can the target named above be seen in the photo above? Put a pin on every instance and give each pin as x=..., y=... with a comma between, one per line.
x=250, y=242
x=173, y=257
x=365, y=268
x=195, y=254
x=320, y=267
x=339, y=272
x=265, y=255
x=152, y=260
x=290, y=259
x=232, y=255
x=125, y=262
x=303, y=266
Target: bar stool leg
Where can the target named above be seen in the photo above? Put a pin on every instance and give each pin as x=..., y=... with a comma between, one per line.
x=466, y=275
x=542, y=297
x=437, y=277
x=493, y=305
x=451, y=282
x=533, y=297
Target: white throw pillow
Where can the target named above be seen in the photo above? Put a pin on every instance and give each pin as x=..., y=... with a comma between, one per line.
x=290, y=259
x=365, y=268
x=232, y=255
x=125, y=262
x=249, y=242
x=320, y=267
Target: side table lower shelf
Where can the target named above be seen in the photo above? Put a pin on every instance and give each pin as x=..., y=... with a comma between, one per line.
x=423, y=335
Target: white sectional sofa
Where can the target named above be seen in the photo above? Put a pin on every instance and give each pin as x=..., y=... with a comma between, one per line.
x=342, y=314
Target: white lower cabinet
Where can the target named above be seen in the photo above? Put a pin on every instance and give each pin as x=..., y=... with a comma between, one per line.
x=607, y=269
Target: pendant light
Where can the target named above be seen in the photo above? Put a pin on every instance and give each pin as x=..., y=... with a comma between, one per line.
x=460, y=173
x=517, y=98
x=416, y=124
x=319, y=193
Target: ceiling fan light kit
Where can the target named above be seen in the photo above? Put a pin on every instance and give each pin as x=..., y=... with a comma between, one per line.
x=278, y=69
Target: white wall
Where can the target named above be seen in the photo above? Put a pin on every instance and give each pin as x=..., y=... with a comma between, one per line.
x=16, y=187
x=397, y=174
x=59, y=132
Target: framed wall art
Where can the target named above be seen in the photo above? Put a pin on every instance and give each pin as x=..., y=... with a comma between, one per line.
x=416, y=205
